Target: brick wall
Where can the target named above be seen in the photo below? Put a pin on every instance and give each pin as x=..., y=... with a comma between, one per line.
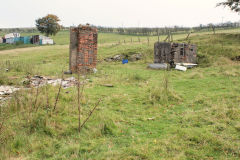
x=83, y=48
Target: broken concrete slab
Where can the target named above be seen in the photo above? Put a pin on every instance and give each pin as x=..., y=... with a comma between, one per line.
x=7, y=90
x=162, y=66
x=188, y=65
x=181, y=68
x=38, y=81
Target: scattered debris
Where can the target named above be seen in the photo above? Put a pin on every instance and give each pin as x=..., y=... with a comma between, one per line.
x=108, y=85
x=124, y=61
x=6, y=91
x=36, y=81
x=151, y=119
x=163, y=66
x=120, y=57
x=114, y=58
x=188, y=65
x=237, y=58
x=135, y=57
x=181, y=68
x=68, y=72
x=95, y=70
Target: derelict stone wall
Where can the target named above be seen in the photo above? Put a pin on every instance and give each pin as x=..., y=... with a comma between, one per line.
x=174, y=53
x=83, y=48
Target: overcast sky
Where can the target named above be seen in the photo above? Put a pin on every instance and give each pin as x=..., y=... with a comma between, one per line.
x=116, y=13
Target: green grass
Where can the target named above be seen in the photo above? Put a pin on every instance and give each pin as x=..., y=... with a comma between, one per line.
x=14, y=46
x=148, y=114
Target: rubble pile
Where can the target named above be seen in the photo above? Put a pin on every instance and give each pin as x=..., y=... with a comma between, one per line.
x=5, y=91
x=38, y=81
x=120, y=57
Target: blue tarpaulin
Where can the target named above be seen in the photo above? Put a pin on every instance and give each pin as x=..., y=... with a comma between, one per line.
x=124, y=61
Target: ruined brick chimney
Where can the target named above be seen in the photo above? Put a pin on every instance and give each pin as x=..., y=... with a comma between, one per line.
x=83, y=48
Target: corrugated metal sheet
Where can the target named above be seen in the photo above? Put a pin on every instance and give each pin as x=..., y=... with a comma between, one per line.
x=25, y=40
x=16, y=39
x=10, y=40
x=47, y=41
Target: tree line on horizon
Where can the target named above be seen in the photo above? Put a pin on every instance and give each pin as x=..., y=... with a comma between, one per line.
x=143, y=31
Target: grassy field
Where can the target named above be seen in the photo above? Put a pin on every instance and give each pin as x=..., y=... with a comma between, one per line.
x=148, y=114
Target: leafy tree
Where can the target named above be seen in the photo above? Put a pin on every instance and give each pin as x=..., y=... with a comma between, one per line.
x=233, y=4
x=48, y=25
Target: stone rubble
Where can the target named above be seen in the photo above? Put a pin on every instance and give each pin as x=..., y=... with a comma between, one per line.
x=120, y=57
x=6, y=91
x=42, y=81
x=36, y=81
x=163, y=66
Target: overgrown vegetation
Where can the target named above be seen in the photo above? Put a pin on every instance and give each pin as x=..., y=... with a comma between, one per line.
x=147, y=114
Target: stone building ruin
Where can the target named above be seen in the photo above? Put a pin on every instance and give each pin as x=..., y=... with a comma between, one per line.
x=173, y=53
x=83, y=48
